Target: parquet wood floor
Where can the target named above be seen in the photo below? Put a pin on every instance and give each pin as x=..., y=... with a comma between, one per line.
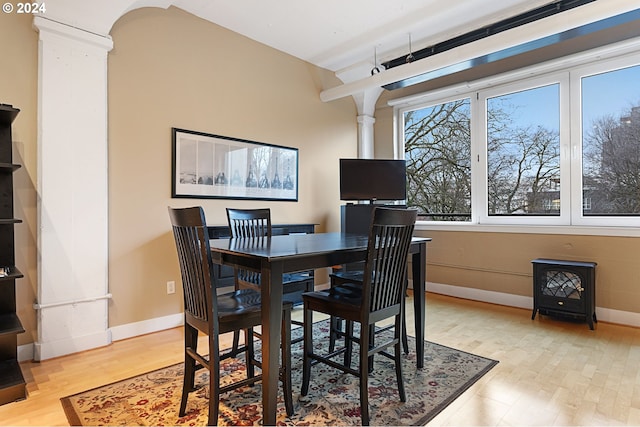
x=551, y=372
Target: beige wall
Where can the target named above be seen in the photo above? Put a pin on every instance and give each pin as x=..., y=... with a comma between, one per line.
x=195, y=75
x=18, y=86
x=501, y=262
x=190, y=74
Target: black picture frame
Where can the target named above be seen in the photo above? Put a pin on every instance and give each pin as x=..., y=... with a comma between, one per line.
x=208, y=166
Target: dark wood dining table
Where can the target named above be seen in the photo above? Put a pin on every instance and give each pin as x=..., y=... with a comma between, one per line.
x=273, y=256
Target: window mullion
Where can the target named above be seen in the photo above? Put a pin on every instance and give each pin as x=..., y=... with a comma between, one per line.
x=478, y=158
x=567, y=186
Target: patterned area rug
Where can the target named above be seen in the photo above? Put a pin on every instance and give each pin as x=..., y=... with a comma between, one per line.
x=153, y=399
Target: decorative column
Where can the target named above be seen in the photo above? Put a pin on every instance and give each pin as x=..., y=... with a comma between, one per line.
x=72, y=190
x=366, y=104
x=365, y=137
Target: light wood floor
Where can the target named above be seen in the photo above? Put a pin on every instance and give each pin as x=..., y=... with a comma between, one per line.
x=551, y=372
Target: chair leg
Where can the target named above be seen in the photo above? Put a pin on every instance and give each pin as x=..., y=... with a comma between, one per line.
x=398, y=359
x=405, y=340
x=335, y=324
x=286, y=361
x=364, y=374
x=372, y=343
x=214, y=383
x=236, y=343
x=348, y=342
x=190, y=341
x=249, y=353
x=236, y=334
x=307, y=350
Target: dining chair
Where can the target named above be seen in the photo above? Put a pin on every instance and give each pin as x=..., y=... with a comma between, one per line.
x=379, y=296
x=257, y=223
x=209, y=313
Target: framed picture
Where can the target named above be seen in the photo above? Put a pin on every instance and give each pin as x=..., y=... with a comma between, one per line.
x=214, y=166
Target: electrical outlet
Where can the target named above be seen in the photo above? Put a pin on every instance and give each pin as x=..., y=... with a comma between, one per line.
x=171, y=287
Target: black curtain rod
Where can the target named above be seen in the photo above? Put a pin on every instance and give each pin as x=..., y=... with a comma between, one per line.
x=506, y=24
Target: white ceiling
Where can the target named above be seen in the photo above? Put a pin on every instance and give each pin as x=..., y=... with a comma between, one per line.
x=342, y=34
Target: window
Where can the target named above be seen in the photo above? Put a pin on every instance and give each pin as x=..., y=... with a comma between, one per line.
x=561, y=148
x=437, y=144
x=611, y=143
x=523, y=152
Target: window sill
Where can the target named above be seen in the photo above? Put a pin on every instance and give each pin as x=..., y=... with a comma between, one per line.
x=531, y=229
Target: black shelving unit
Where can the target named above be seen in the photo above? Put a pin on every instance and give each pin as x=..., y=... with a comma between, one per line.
x=12, y=384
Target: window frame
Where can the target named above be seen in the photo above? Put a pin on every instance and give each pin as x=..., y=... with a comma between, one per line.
x=577, y=74
x=562, y=80
x=568, y=72
x=399, y=124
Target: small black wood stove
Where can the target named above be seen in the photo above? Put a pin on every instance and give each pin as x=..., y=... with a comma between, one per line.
x=565, y=288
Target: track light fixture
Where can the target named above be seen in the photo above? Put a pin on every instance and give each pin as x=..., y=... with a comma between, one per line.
x=409, y=57
x=375, y=69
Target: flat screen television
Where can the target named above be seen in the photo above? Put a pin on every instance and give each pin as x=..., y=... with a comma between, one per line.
x=373, y=179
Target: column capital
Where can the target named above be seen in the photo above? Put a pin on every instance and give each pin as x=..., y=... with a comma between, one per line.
x=365, y=119
x=48, y=27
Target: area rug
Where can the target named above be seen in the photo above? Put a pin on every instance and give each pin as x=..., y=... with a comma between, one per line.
x=153, y=399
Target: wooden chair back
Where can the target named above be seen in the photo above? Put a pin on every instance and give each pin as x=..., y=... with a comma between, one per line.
x=385, y=267
x=194, y=257
x=249, y=222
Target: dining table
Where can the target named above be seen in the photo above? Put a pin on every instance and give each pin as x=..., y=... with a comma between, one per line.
x=273, y=256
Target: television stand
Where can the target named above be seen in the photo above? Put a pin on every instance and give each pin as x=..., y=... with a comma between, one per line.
x=356, y=218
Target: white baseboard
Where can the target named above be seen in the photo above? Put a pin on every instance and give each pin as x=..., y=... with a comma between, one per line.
x=50, y=349
x=147, y=326
x=42, y=351
x=481, y=295
x=25, y=352
x=603, y=314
